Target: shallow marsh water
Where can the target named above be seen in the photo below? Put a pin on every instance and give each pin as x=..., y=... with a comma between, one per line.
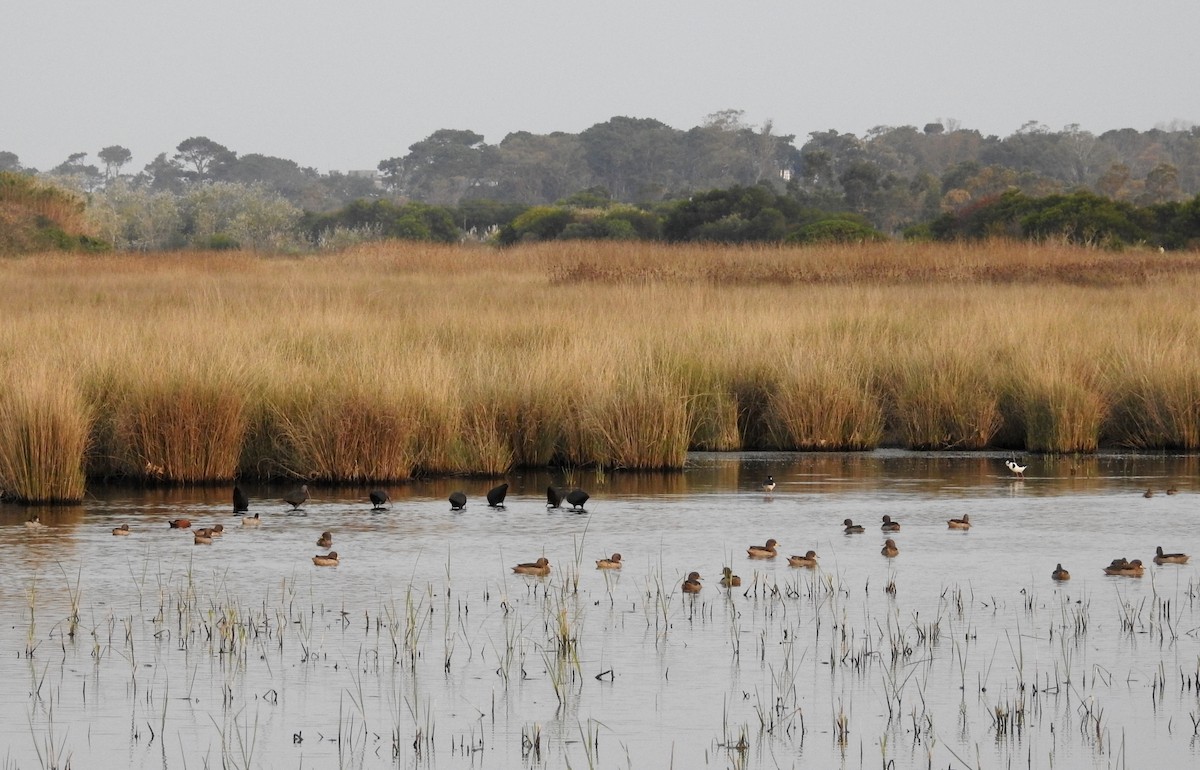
x=422, y=649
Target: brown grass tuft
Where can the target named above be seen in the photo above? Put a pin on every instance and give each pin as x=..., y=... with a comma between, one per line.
x=44, y=428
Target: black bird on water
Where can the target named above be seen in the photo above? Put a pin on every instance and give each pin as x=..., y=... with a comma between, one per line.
x=769, y=485
x=495, y=496
x=458, y=501
x=577, y=497
x=296, y=497
x=554, y=498
x=241, y=503
x=379, y=498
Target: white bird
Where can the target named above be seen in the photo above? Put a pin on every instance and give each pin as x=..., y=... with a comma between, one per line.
x=1017, y=469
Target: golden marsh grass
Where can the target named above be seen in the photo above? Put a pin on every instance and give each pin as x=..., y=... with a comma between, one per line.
x=44, y=429
x=402, y=359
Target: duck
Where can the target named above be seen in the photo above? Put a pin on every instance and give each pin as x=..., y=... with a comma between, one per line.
x=202, y=536
x=496, y=495
x=763, y=551
x=1172, y=491
x=889, y=525
x=180, y=523
x=577, y=497
x=963, y=523
x=297, y=497
x=251, y=521
x=121, y=530
x=1125, y=568
x=554, y=498
x=1169, y=558
x=540, y=568
x=1017, y=470
x=1059, y=573
x=852, y=528
x=614, y=562
x=728, y=579
x=35, y=523
x=325, y=540
x=1148, y=494
x=379, y=498
x=889, y=548
x=216, y=530
x=808, y=560
x=692, y=584
x=241, y=503
x=458, y=500
x=768, y=486
x=327, y=560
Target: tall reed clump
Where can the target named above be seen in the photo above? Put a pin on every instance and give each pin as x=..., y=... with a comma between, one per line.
x=943, y=397
x=531, y=415
x=183, y=427
x=713, y=407
x=754, y=390
x=484, y=446
x=510, y=418
x=44, y=429
x=438, y=422
x=340, y=433
x=1058, y=401
x=713, y=417
x=825, y=402
x=1156, y=397
x=640, y=421
x=582, y=442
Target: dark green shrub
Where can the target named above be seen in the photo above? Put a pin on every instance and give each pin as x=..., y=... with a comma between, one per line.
x=220, y=242
x=836, y=231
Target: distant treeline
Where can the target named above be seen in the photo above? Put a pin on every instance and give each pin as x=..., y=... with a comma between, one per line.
x=723, y=181
x=38, y=216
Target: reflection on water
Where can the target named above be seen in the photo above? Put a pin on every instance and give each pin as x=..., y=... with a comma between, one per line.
x=424, y=649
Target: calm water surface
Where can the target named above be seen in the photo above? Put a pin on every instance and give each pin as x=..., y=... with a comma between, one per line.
x=423, y=649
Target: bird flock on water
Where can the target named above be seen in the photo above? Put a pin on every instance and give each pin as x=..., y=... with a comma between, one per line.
x=380, y=501
x=578, y=498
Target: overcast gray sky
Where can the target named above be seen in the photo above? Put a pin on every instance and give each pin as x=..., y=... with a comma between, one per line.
x=343, y=84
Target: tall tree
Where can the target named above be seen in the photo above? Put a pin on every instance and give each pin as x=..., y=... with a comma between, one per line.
x=533, y=168
x=208, y=159
x=280, y=175
x=9, y=161
x=1114, y=182
x=114, y=157
x=636, y=159
x=440, y=168
x=1162, y=185
x=81, y=173
x=163, y=175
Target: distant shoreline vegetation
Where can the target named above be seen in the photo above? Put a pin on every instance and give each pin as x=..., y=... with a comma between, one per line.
x=38, y=216
x=724, y=181
x=397, y=360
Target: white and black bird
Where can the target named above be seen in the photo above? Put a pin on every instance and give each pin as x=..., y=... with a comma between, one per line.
x=768, y=486
x=379, y=498
x=1018, y=470
x=495, y=496
x=458, y=501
